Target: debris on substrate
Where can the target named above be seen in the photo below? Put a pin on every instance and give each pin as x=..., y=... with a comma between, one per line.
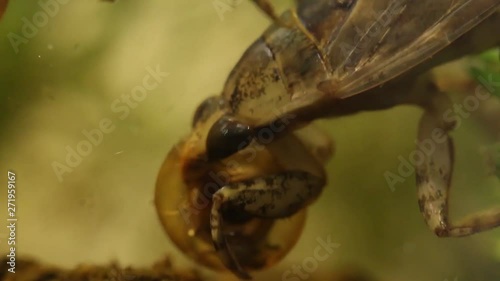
x=32, y=270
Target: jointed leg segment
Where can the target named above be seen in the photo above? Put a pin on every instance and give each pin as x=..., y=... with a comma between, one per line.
x=434, y=175
x=273, y=196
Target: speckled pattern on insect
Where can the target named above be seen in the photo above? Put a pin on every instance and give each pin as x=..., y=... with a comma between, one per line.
x=223, y=191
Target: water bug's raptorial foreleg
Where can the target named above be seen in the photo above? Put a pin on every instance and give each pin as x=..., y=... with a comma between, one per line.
x=270, y=197
x=434, y=175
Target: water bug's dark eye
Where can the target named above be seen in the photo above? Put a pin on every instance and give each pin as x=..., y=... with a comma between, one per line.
x=226, y=137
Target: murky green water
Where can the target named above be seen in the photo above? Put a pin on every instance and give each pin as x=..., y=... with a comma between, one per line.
x=86, y=154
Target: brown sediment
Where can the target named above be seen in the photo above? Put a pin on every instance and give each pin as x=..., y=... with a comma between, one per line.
x=33, y=270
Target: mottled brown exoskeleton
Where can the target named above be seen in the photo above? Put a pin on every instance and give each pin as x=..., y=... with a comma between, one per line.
x=322, y=59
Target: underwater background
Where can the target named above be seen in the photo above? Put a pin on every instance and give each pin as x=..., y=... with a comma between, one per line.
x=59, y=81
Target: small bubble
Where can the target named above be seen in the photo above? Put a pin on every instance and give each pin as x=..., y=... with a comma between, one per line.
x=50, y=47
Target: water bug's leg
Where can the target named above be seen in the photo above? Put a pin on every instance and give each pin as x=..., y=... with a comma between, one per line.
x=319, y=144
x=434, y=175
x=273, y=196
